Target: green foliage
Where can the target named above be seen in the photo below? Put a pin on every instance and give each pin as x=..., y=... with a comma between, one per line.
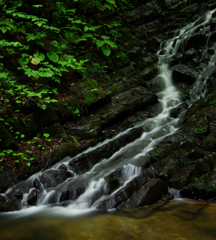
x=40, y=44
x=75, y=141
x=200, y=130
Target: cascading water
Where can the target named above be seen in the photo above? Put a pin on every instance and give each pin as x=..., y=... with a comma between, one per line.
x=155, y=130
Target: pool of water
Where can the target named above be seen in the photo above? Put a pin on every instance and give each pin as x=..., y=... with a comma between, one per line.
x=173, y=220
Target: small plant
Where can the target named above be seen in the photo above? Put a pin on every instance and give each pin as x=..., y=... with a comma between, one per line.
x=200, y=130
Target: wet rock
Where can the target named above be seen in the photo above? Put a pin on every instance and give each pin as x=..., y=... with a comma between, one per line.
x=72, y=189
x=63, y=167
x=113, y=181
x=52, y=178
x=182, y=177
x=185, y=140
x=86, y=161
x=9, y=203
x=19, y=189
x=149, y=193
x=178, y=110
x=33, y=196
x=167, y=166
x=124, y=193
x=162, y=151
x=182, y=73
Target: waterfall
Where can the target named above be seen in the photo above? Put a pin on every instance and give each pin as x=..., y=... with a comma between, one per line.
x=155, y=130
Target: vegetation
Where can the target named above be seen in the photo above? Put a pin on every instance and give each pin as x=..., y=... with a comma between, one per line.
x=46, y=47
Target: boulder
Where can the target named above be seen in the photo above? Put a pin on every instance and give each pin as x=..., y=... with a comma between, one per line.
x=52, y=178
x=148, y=194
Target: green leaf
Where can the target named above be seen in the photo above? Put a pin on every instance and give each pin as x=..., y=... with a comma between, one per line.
x=165, y=175
x=46, y=135
x=106, y=51
x=112, y=44
x=105, y=37
x=37, y=6
x=111, y=1
x=53, y=56
x=28, y=164
x=68, y=35
x=99, y=43
x=4, y=29
x=23, y=61
x=39, y=56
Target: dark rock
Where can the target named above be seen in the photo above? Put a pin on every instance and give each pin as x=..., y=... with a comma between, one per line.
x=113, y=181
x=72, y=189
x=209, y=143
x=149, y=193
x=182, y=178
x=52, y=178
x=195, y=154
x=202, y=166
x=33, y=196
x=128, y=72
x=203, y=188
x=7, y=140
x=49, y=116
x=175, y=112
x=57, y=131
x=135, y=53
x=182, y=73
x=124, y=193
x=63, y=167
x=9, y=203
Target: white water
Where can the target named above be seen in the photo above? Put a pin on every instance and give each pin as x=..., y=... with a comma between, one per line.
x=156, y=129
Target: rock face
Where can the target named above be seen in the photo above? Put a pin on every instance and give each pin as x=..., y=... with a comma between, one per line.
x=185, y=160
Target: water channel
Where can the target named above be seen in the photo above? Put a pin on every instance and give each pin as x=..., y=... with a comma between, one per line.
x=81, y=220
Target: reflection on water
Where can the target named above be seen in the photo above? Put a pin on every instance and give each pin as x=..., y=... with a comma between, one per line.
x=173, y=220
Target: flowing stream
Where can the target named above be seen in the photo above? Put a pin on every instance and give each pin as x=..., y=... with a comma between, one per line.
x=155, y=130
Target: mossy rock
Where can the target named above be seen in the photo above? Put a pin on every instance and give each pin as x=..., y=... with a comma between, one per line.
x=93, y=96
x=64, y=150
x=202, y=166
x=91, y=83
x=66, y=109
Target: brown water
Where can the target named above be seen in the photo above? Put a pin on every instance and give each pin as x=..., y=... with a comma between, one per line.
x=173, y=220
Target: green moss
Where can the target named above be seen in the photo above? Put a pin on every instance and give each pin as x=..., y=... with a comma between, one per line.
x=93, y=96
x=208, y=144
x=91, y=83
